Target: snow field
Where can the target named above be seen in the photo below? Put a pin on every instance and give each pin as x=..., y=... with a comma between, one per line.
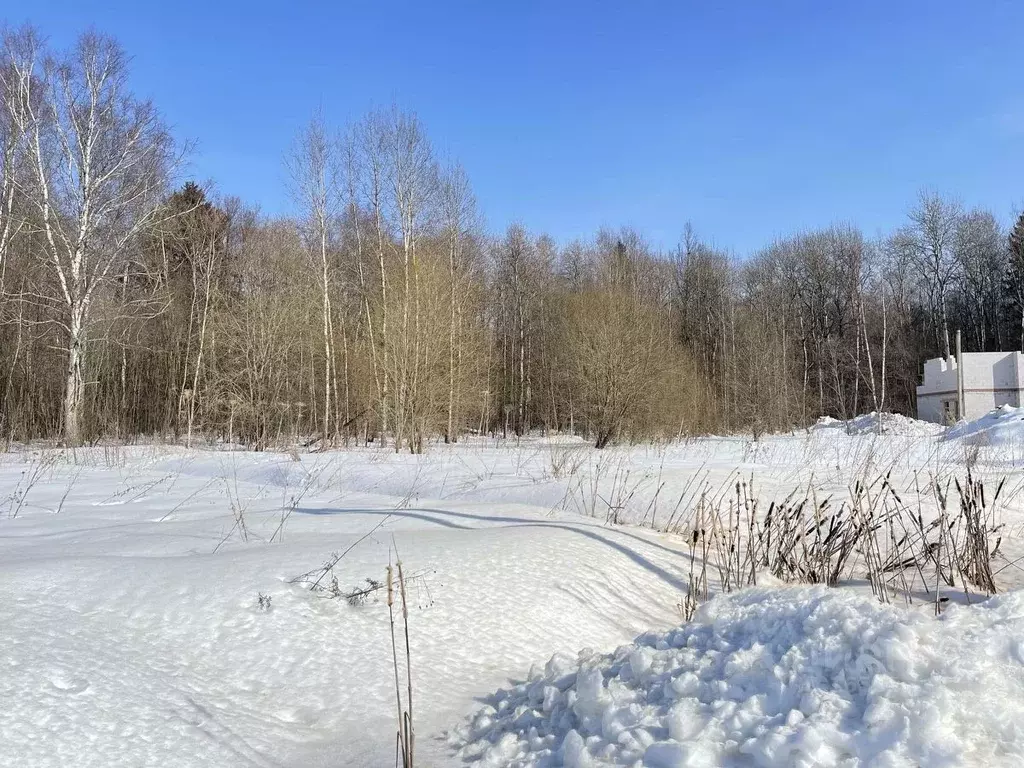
x=130, y=632
x=127, y=640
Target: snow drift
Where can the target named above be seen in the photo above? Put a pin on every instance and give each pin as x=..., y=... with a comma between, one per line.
x=777, y=677
x=1001, y=426
x=892, y=424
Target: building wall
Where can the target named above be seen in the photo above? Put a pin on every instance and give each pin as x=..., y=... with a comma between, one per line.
x=991, y=379
x=929, y=408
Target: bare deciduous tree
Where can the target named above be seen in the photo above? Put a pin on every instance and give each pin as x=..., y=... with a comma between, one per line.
x=101, y=160
x=459, y=224
x=314, y=170
x=930, y=241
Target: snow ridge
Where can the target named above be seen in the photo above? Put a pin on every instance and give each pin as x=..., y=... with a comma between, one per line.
x=1000, y=426
x=795, y=676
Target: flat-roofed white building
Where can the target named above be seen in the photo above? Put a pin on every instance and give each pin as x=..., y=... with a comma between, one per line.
x=990, y=379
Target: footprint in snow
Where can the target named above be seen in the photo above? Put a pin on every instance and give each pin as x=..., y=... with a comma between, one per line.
x=68, y=683
x=298, y=715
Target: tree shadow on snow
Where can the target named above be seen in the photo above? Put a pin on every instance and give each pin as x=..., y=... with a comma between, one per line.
x=437, y=516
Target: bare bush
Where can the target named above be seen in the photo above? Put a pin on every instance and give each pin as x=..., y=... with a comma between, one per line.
x=27, y=480
x=566, y=460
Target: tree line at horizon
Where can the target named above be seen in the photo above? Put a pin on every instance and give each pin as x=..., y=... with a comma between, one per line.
x=132, y=305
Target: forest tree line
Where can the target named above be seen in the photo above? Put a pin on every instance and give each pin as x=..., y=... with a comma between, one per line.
x=132, y=305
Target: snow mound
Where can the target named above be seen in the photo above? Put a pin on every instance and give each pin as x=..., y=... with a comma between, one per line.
x=1002, y=426
x=776, y=677
x=892, y=424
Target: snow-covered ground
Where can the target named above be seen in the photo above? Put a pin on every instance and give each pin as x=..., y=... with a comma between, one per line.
x=130, y=632
x=798, y=676
x=1002, y=426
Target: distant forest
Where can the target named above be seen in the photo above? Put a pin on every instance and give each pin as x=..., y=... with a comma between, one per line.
x=133, y=305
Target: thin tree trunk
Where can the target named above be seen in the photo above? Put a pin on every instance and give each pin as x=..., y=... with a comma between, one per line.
x=74, y=389
x=885, y=333
x=449, y=433
x=202, y=345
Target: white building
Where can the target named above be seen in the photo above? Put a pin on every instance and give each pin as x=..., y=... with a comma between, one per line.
x=989, y=379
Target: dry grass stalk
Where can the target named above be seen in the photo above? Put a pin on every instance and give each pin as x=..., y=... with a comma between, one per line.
x=807, y=539
x=405, y=738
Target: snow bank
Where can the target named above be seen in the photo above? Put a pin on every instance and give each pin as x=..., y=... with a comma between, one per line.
x=777, y=677
x=892, y=424
x=1001, y=426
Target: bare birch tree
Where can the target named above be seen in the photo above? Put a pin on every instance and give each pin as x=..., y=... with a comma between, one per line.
x=100, y=159
x=414, y=187
x=458, y=211
x=314, y=170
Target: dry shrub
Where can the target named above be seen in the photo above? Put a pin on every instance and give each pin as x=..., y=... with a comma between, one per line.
x=874, y=533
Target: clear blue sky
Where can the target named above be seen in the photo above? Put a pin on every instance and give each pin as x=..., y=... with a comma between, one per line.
x=752, y=118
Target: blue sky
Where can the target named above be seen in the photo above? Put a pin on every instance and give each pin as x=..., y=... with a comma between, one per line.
x=751, y=119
